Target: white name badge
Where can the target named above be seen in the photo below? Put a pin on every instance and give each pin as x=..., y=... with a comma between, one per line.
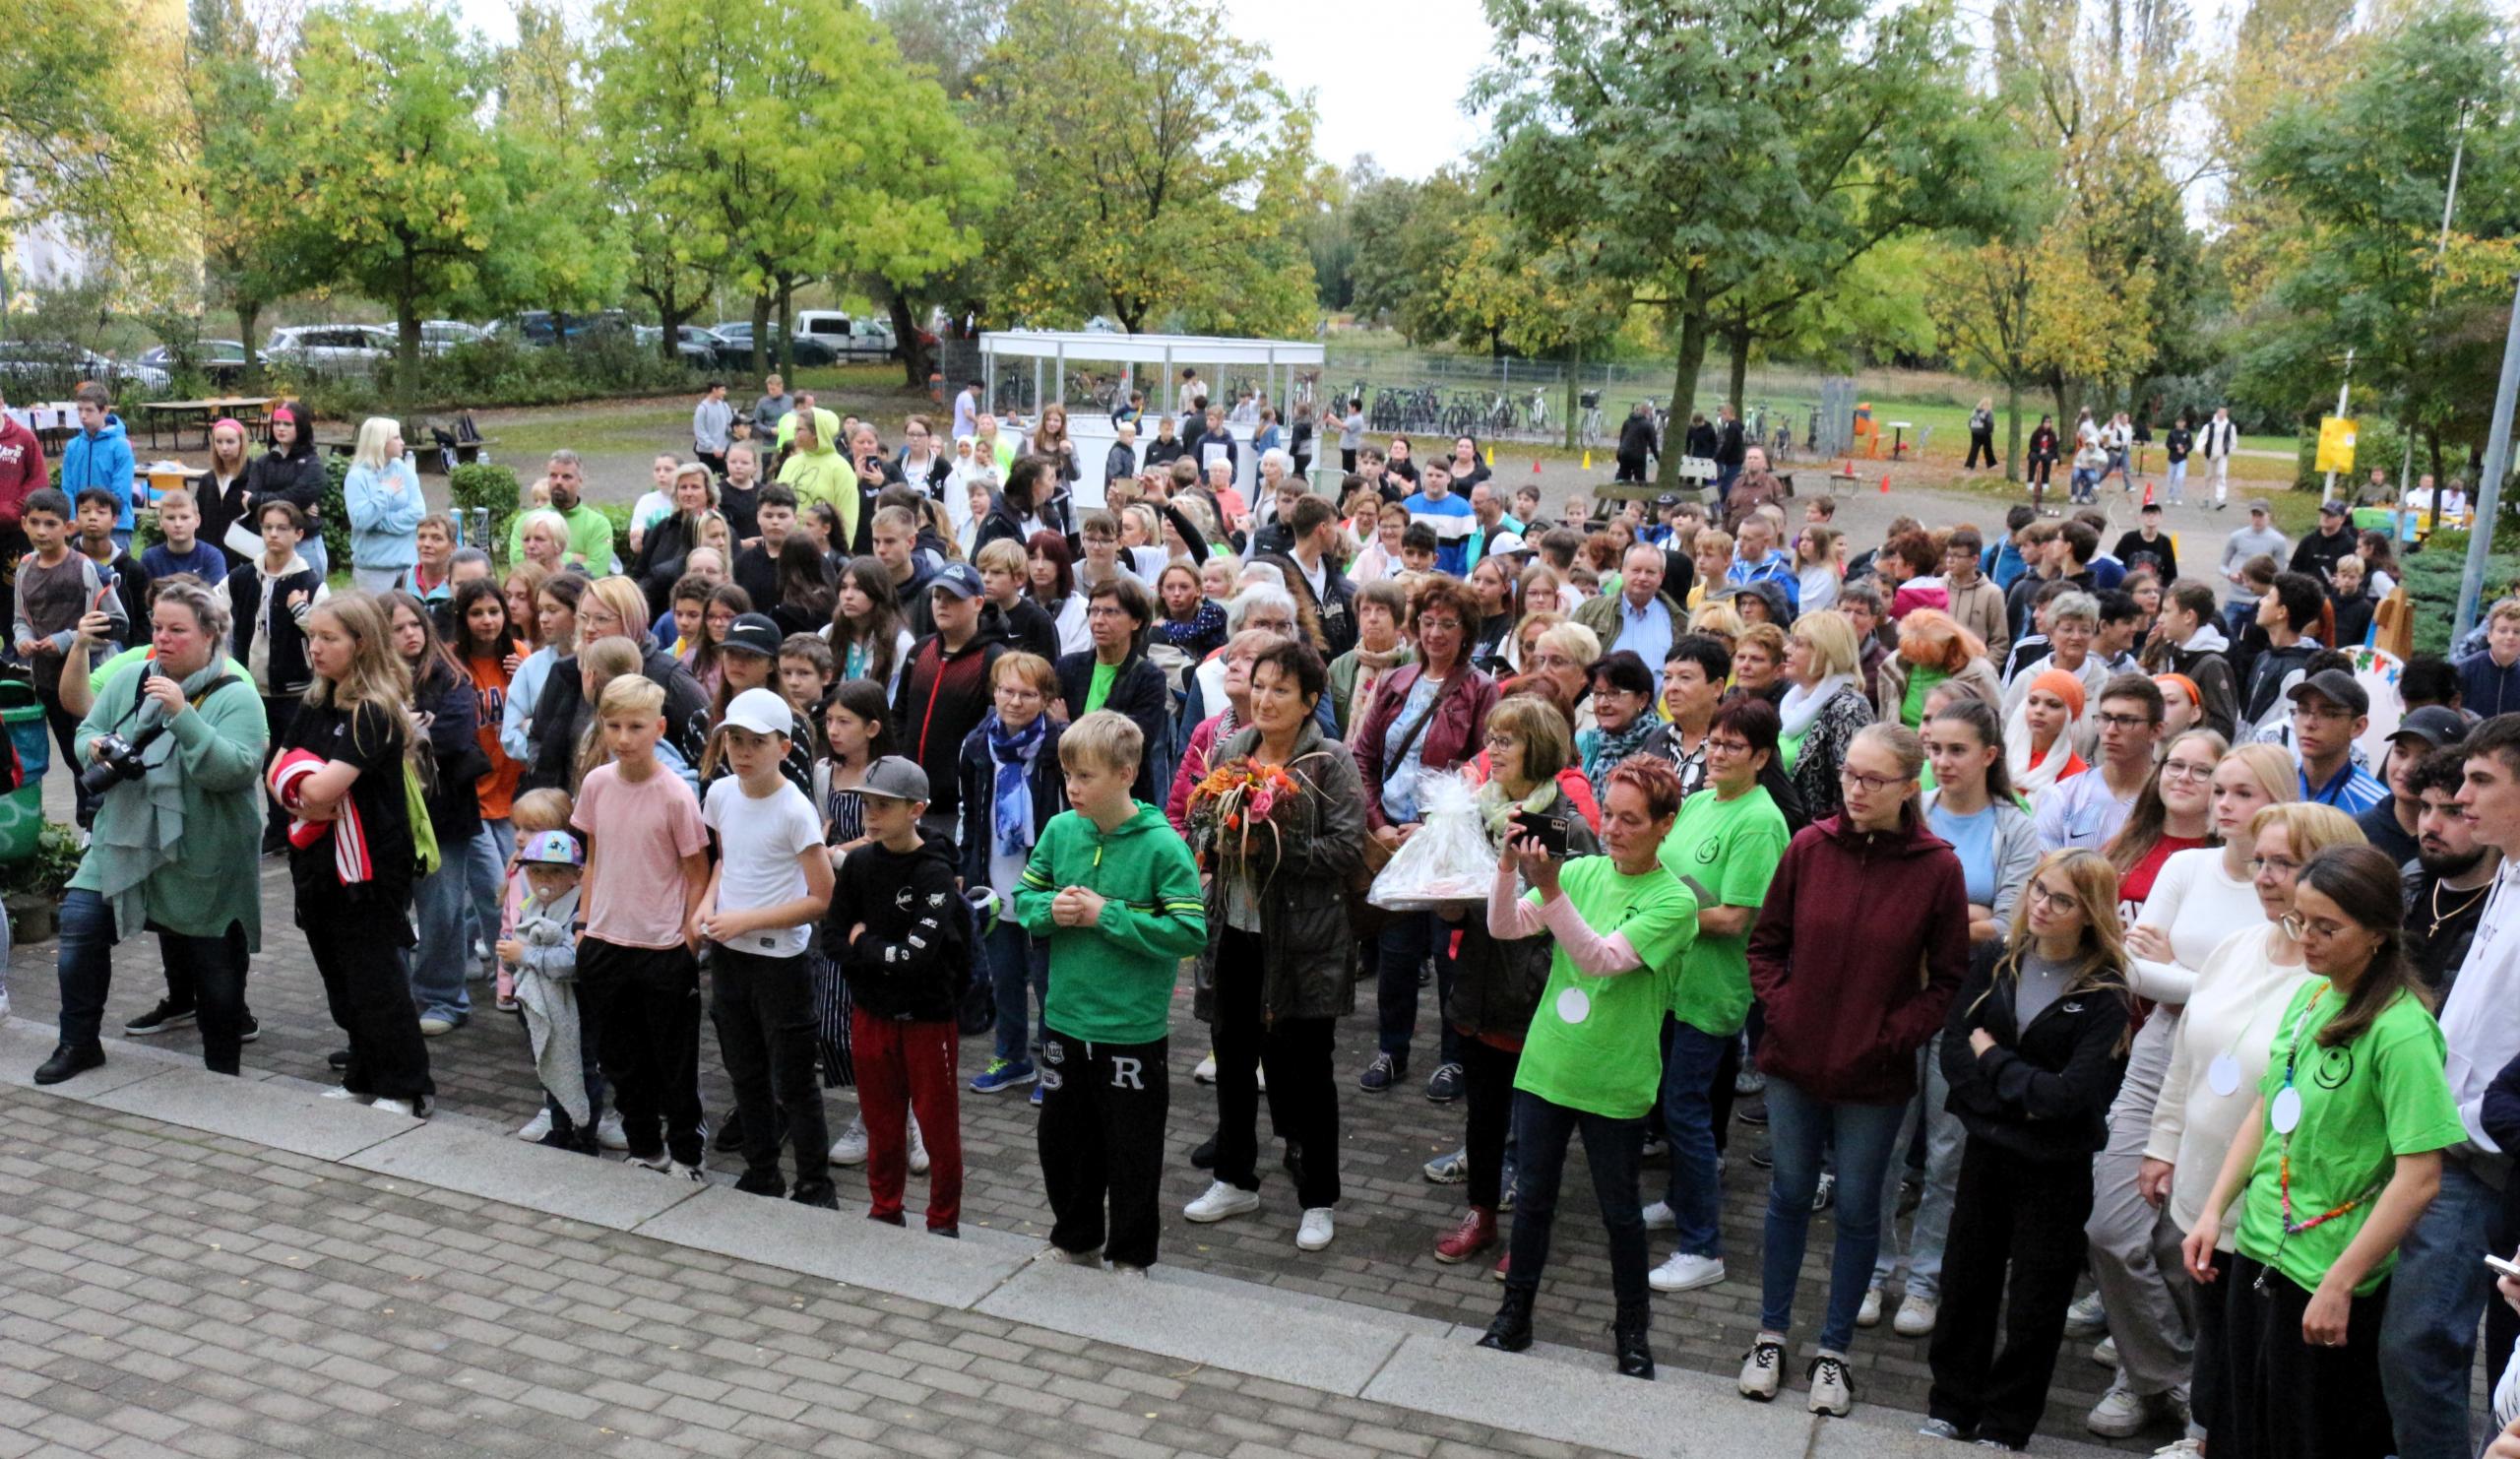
x=1574, y=1006
x=2286, y=1113
x=2222, y=1075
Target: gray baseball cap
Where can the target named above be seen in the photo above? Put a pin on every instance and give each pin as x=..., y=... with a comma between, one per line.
x=895, y=778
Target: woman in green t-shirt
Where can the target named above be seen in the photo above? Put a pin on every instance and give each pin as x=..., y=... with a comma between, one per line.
x=1592, y=1059
x=2333, y=1165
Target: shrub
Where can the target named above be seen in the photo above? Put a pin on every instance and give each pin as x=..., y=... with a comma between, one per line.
x=2433, y=586
x=497, y=372
x=492, y=488
x=335, y=512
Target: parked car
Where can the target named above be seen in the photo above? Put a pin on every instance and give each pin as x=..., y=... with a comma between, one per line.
x=545, y=328
x=737, y=354
x=52, y=368
x=438, y=336
x=699, y=348
x=221, y=360
x=855, y=339
x=339, y=349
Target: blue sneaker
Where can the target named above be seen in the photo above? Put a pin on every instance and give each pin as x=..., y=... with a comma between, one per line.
x=1036, y=1094
x=1002, y=1075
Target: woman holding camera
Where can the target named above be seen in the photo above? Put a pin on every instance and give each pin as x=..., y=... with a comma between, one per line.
x=175, y=821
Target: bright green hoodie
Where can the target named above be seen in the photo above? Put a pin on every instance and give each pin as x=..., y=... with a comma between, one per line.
x=1113, y=983
x=824, y=474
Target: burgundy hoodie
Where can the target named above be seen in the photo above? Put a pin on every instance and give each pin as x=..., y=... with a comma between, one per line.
x=22, y=468
x=1857, y=952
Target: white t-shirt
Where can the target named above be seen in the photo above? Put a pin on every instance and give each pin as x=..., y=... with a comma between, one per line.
x=2198, y=905
x=649, y=510
x=2238, y=1000
x=761, y=841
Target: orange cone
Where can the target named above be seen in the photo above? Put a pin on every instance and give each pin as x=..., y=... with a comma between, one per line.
x=1535, y=466
x=1885, y=486
x=2148, y=493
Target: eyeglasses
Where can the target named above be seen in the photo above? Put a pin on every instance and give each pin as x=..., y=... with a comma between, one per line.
x=1553, y=660
x=2121, y=722
x=2329, y=714
x=2303, y=930
x=1507, y=742
x=1106, y=610
x=2055, y=900
x=2260, y=866
x=1728, y=747
x=2185, y=770
x=1873, y=783
x=1438, y=625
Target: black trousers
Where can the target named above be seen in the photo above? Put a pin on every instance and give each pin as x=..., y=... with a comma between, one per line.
x=280, y=712
x=1611, y=1147
x=362, y=952
x=764, y=1010
x=210, y=970
x=1978, y=443
x=647, y=1007
x=65, y=735
x=2020, y=1225
x=1630, y=468
x=2287, y=1399
x=2209, y=1375
x=1304, y=1093
x=1487, y=1079
x=1102, y=1138
x=1348, y=462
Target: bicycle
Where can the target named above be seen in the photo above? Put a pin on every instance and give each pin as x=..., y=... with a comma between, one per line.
x=1590, y=427
x=1536, y=413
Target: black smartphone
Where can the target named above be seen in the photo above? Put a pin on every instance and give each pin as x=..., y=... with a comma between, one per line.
x=1550, y=831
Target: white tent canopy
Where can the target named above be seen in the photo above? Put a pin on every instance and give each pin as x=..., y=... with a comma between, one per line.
x=1051, y=351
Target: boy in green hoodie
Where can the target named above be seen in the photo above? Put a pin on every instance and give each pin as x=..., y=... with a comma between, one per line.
x=1113, y=889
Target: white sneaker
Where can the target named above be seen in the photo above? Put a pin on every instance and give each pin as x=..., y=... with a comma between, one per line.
x=2181, y=1449
x=337, y=1092
x=2119, y=1414
x=1659, y=1217
x=1206, y=1072
x=4, y=1005
x=1832, y=1391
x=1762, y=1370
x=2104, y=1352
x=1943, y=1428
x=659, y=1162
x=1870, y=1314
x=1260, y=1078
x=918, y=1150
x=693, y=1173
x=851, y=1148
x=608, y=1132
x=1222, y=1200
x=536, y=1127
x=405, y=1108
x=2086, y=1318
x=1128, y=1269
x=1315, y=1231
x=1052, y=1253
x=1686, y=1271
x=1917, y=1315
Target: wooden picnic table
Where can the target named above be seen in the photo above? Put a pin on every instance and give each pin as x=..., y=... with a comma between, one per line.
x=247, y=409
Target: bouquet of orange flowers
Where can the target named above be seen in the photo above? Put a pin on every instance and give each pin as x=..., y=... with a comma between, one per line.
x=1240, y=799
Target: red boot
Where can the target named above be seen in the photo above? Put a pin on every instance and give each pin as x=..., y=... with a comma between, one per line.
x=1476, y=1234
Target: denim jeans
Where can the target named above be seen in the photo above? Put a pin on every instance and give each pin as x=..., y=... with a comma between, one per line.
x=213, y=966
x=313, y=551
x=2428, y=1339
x=1016, y=958
x=486, y=874
x=437, y=961
x=2177, y=481
x=1407, y=943
x=1799, y=1128
x=1943, y=1140
x=1612, y=1149
x=1690, y=1056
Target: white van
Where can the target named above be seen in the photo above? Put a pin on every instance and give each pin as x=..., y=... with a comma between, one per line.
x=855, y=339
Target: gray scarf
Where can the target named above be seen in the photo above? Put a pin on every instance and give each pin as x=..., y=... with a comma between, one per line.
x=137, y=834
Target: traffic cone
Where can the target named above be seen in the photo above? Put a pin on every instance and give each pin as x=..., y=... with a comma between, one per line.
x=1885, y=485
x=1588, y=458
x=1492, y=458
x=1535, y=466
x=2148, y=492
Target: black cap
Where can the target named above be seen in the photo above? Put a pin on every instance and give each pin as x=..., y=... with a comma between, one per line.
x=752, y=633
x=2337, y=687
x=2436, y=724
x=2331, y=509
x=2151, y=506
x=958, y=580
x=1667, y=499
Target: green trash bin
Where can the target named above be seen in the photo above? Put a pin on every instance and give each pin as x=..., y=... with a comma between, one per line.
x=24, y=716
x=21, y=822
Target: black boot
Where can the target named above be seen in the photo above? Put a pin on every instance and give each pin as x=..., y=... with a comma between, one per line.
x=1204, y=1157
x=1629, y=1330
x=1511, y=1332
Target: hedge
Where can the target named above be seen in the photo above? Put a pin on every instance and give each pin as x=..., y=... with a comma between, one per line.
x=2432, y=577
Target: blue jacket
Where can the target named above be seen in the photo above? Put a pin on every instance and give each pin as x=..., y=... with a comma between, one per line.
x=2486, y=687
x=102, y=460
x=384, y=525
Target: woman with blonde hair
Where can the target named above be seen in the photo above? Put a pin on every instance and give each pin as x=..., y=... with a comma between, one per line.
x=2227, y=998
x=1817, y=568
x=1823, y=706
x=1932, y=648
x=545, y=540
x=382, y=492
x=1716, y=620
x=2033, y=1052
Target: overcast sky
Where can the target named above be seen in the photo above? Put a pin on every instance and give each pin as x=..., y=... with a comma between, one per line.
x=1387, y=79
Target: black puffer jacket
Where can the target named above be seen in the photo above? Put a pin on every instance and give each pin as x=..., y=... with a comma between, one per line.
x=1309, y=957
x=297, y=476
x=1496, y=985
x=2041, y=1093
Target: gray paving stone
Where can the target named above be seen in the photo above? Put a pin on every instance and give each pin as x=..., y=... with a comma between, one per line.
x=601, y=1192
x=1875, y=1432
x=844, y=1246
x=24, y=1044
x=1334, y=1351
x=290, y=1119
x=1680, y=1416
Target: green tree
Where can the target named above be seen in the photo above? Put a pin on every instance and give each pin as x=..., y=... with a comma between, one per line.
x=1750, y=146
x=90, y=130
x=410, y=189
x=1155, y=166
x=2359, y=173
x=251, y=252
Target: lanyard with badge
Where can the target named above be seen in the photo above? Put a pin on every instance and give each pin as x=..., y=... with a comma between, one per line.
x=2284, y=1112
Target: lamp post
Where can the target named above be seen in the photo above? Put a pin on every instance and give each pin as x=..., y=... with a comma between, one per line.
x=2498, y=462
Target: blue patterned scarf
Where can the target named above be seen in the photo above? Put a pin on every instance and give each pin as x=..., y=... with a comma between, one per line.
x=1012, y=816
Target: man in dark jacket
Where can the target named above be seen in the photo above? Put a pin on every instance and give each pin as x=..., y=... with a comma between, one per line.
x=1312, y=529
x=563, y=709
x=944, y=690
x=2317, y=554
x=292, y=470
x=1635, y=443
x=1730, y=451
x=1115, y=674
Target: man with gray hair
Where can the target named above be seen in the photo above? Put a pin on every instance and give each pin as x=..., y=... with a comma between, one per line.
x=589, y=531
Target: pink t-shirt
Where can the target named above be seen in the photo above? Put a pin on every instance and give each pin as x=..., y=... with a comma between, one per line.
x=640, y=831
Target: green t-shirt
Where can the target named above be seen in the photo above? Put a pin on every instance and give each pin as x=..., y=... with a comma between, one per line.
x=1596, y=1044
x=1726, y=852
x=1105, y=676
x=2363, y=1104
x=1788, y=748
x=1911, y=701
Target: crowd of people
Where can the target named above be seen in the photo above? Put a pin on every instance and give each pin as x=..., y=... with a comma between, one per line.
x=2050, y=884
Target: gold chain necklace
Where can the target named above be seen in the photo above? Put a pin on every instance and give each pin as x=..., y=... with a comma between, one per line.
x=2439, y=916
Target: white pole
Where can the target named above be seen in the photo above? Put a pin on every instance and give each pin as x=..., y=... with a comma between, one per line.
x=2440, y=249
x=2498, y=462
x=2342, y=386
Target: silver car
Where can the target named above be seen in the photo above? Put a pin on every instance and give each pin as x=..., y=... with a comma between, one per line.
x=336, y=348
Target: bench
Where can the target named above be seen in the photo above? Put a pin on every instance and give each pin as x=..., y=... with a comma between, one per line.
x=433, y=461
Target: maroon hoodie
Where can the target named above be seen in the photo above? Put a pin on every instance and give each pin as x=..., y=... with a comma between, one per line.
x=1857, y=952
x=22, y=468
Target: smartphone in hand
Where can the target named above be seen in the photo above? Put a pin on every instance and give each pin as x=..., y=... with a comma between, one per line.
x=1549, y=832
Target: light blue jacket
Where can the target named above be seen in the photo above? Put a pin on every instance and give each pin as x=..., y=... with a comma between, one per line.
x=102, y=460
x=384, y=525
